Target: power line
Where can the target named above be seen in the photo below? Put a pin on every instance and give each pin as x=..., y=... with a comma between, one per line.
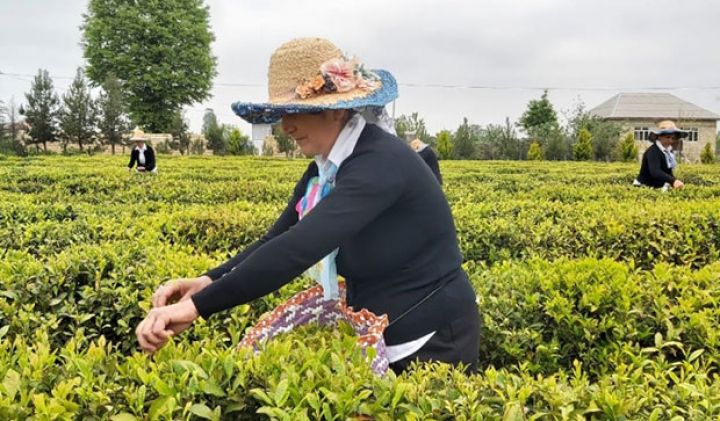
x=452, y=86
x=560, y=88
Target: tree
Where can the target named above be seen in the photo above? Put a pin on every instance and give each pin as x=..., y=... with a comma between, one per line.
x=498, y=142
x=707, y=156
x=539, y=113
x=164, y=147
x=179, y=130
x=4, y=138
x=509, y=147
x=197, y=146
x=541, y=124
x=284, y=142
x=238, y=143
x=445, y=144
x=535, y=152
x=412, y=124
x=577, y=119
x=583, y=150
x=42, y=110
x=13, y=128
x=464, y=141
x=112, y=119
x=626, y=150
x=3, y=113
x=550, y=136
x=605, y=136
x=213, y=132
x=78, y=116
x=160, y=51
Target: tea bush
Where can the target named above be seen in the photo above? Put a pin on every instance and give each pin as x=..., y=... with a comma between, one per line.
x=598, y=300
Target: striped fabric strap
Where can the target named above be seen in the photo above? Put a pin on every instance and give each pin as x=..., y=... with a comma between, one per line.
x=325, y=271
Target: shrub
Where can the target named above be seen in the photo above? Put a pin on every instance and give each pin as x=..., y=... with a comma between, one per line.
x=707, y=156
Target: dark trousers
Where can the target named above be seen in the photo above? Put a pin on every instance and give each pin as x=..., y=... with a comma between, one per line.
x=457, y=342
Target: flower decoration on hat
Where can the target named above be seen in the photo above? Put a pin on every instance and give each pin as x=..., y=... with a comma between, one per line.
x=338, y=75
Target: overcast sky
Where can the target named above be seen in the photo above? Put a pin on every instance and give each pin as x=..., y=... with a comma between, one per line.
x=494, y=55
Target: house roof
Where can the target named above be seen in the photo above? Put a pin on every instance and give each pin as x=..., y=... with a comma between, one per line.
x=651, y=106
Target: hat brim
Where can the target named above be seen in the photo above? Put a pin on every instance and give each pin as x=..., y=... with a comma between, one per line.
x=267, y=113
x=676, y=132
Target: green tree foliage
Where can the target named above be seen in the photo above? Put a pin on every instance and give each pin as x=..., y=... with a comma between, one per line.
x=626, y=150
x=42, y=110
x=284, y=142
x=551, y=136
x=511, y=145
x=180, y=132
x=498, y=142
x=213, y=132
x=539, y=112
x=541, y=124
x=707, y=156
x=238, y=143
x=445, y=144
x=5, y=141
x=577, y=119
x=583, y=150
x=112, y=120
x=165, y=147
x=412, y=124
x=197, y=146
x=606, y=135
x=535, y=152
x=3, y=123
x=78, y=115
x=11, y=137
x=464, y=141
x=160, y=51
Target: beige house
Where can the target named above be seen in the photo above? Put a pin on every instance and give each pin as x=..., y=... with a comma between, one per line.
x=639, y=113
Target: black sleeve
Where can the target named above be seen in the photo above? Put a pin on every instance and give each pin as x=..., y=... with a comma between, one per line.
x=365, y=188
x=655, y=168
x=133, y=158
x=287, y=219
x=149, y=159
x=431, y=160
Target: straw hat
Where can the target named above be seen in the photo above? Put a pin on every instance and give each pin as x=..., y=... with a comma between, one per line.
x=667, y=127
x=310, y=75
x=138, y=135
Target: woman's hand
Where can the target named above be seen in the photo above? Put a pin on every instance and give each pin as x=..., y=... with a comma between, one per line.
x=677, y=184
x=163, y=322
x=179, y=290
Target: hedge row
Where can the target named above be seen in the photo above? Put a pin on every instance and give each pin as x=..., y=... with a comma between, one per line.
x=598, y=300
x=541, y=314
x=327, y=379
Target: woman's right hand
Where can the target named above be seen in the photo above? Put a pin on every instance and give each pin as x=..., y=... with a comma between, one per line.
x=179, y=290
x=677, y=184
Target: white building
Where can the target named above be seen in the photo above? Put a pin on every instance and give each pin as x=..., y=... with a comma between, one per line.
x=259, y=133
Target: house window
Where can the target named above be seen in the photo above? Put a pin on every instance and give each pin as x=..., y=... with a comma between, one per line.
x=692, y=134
x=642, y=133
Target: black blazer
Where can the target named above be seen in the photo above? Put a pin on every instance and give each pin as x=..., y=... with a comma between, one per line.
x=654, y=170
x=392, y=223
x=431, y=160
x=149, y=158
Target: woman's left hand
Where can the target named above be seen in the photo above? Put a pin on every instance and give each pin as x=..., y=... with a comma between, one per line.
x=163, y=322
